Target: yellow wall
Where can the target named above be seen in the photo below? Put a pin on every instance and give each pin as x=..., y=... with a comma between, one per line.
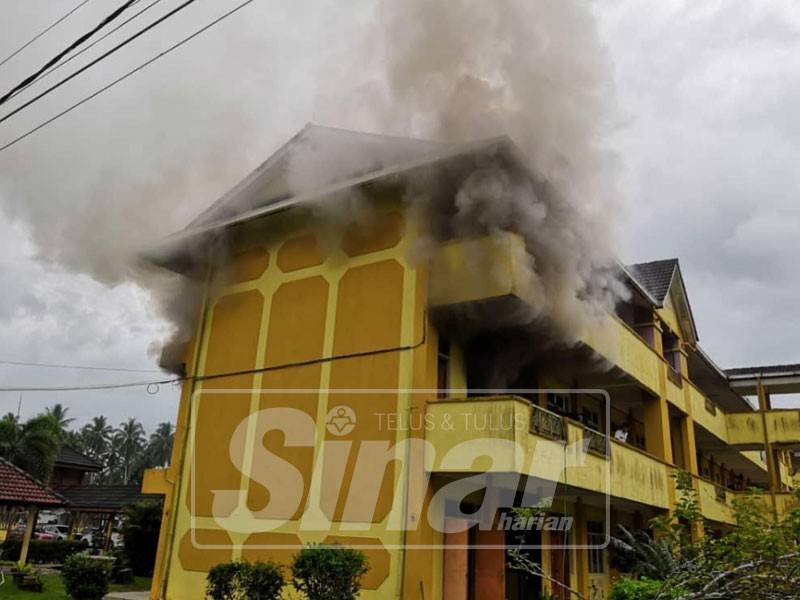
x=289, y=301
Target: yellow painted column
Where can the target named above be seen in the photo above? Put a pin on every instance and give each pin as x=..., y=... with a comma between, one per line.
x=30, y=523
x=773, y=467
x=581, y=554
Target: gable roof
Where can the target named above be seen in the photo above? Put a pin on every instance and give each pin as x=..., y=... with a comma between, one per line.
x=660, y=278
x=179, y=251
x=655, y=276
x=70, y=458
x=325, y=155
x=18, y=488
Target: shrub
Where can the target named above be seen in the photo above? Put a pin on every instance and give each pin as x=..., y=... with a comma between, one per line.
x=329, y=572
x=140, y=529
x=261, y=581
x=243, y=580
x=42, y=551
x=634, y=589
x=85, y=578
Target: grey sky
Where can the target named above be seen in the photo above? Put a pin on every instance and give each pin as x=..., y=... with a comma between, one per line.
x=707, y=143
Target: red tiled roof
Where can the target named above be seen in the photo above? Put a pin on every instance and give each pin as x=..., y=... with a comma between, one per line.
x=20, y=489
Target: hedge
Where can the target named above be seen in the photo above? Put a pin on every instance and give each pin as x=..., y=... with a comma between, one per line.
x=42, y=551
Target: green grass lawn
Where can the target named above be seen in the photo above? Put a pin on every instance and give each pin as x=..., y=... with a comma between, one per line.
x=54, y=589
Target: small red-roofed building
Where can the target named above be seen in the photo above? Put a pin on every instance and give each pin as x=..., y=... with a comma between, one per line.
x=19, y=490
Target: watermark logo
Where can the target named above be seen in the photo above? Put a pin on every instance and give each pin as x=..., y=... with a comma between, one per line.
x=341, y=420
x=495, y=461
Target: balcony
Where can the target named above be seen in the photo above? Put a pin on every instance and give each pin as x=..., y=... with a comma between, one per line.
x=747, y=429
x=506, y=434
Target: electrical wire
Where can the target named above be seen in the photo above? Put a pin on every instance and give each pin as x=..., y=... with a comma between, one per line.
x=21, y=363
x=126, y=75
x=41, y=33
x=92, y=63
x=85, y=49
x=90, y=387
x=55, y=60
x=212, y=376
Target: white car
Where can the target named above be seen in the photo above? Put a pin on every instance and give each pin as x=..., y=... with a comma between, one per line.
x=59, y=532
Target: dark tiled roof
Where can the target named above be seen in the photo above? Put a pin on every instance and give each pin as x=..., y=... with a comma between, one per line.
x=18, y=488
x=765, y=370
x=112, y=498
x=69, y=457
x=655, y=276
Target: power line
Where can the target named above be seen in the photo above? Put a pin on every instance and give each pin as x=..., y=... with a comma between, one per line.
x=41, y=33
x=125, y=76
x=53, y=61
x=213, y=376
x=85, y=49
x=90, y=387
x=21, y=363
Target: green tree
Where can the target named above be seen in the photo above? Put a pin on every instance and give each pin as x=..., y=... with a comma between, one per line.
x=159, y=447
x=129, y=441
x=141, y=525
x=58, y=412
x=32, y=445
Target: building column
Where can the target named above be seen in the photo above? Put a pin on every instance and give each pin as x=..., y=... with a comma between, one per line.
x=30, y=524
x=581, y=538
x=773, y=466
x=656, y=425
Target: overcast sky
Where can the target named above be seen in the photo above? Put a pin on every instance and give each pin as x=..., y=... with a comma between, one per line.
x=707, y=141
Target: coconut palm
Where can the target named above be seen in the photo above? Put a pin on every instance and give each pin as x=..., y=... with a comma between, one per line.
x=159, y=447
x=96, y=437
x=58, y=412
x=129, y=440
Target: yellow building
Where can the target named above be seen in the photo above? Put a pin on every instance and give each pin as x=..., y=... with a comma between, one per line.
x=337, y=392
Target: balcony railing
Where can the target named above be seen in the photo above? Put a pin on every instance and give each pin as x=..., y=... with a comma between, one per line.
x=547, y=424
x=596, y=442
x=720, y=493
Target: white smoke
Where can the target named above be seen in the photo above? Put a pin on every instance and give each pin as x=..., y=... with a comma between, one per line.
x=107, y=182
x=464, y=70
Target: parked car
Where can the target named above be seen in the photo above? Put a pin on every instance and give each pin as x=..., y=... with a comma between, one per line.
x=59, y=532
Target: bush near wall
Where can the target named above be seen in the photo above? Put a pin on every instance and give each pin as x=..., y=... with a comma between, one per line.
x=42, y=551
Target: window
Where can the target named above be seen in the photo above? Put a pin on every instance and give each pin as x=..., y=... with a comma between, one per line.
x=558, y=403
x=596, y=538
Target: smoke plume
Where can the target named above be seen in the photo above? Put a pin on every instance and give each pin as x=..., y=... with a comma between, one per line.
x=97, y=190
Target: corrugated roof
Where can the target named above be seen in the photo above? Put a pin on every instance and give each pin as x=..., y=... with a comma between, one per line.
x=767, y=370
x=655, y=276
x=111, y=498
x=69, y=457
x=18, y=488
x=314, y=158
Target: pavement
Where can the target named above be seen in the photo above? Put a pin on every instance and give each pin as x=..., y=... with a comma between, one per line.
x=128, y=596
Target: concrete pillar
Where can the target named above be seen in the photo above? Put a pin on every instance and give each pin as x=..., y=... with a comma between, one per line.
x=30, y=524
x=773, y=467
x=581, y=538
x=656, y=426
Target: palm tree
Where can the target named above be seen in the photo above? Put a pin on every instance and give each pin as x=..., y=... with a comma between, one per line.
x=58, y=412
x=32, y=446
x=96, y=437
x=129, y=441
x=159, y=447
